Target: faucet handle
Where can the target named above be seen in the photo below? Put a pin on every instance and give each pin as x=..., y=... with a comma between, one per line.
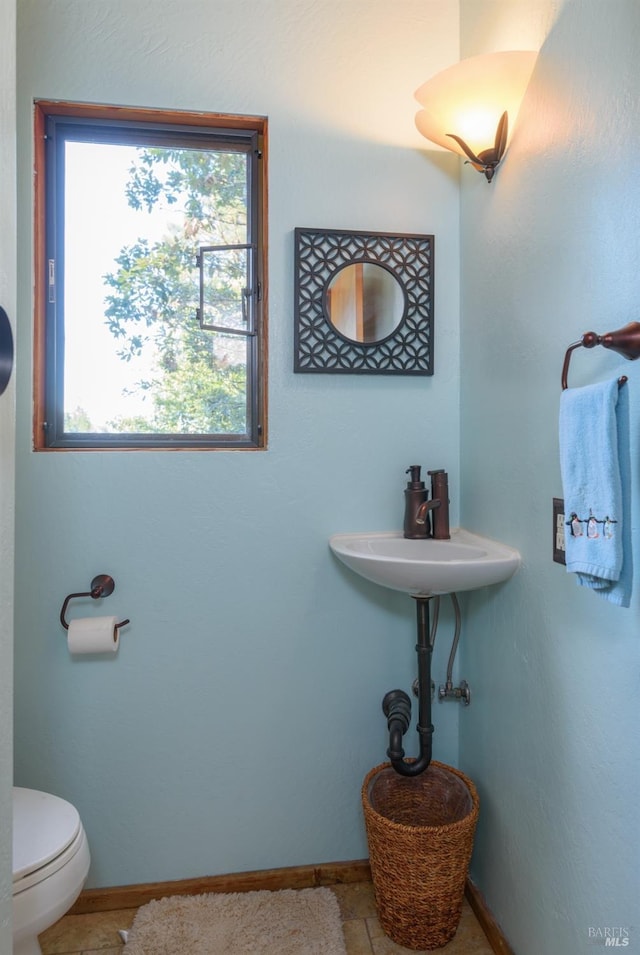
x=439, y=479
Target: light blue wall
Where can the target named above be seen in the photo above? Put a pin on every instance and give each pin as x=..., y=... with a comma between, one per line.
x=234, y=727
x=554, y=744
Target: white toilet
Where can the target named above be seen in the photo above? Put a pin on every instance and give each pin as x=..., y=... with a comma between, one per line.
x=50, y=864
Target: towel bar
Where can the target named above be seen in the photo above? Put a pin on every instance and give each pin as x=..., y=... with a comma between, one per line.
x=625, y=341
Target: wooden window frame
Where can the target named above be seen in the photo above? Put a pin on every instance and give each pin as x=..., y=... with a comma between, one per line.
x=257, y=440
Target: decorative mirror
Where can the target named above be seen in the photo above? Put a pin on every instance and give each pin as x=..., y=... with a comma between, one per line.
x=363, y=302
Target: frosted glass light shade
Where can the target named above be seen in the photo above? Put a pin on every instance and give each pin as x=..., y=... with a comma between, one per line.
x=469, y=98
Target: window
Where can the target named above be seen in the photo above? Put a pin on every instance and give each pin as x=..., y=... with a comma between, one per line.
x=150, y=258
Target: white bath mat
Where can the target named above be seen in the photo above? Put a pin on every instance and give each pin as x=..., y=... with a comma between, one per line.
x=289, y=922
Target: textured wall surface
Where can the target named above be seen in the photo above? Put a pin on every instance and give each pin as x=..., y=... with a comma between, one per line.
x=7, y=430
x=234, y=728
x=554, y=743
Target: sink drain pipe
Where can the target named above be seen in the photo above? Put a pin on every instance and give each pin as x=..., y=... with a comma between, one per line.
x=396, y=704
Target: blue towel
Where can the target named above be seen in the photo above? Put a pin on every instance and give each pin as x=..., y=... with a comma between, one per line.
x=596, y=478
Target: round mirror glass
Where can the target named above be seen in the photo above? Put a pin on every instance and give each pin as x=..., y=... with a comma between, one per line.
x=365, y=302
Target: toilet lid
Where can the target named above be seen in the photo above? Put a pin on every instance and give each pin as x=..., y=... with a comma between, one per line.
x=43, y=827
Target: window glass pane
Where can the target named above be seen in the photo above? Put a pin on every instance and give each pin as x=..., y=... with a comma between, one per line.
x=135, y=357
x=207, y=393
x=225, y=286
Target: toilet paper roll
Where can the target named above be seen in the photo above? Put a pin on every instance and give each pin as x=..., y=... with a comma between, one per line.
x=93, y=635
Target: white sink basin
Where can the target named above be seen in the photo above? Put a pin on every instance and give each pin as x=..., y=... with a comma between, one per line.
x=426, y=567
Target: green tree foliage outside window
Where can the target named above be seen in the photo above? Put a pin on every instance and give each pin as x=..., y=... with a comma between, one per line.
x=199, y=379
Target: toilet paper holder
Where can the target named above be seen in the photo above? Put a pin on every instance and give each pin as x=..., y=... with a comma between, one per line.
x=101, y=586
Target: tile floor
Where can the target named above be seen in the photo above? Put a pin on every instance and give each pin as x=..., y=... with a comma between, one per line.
x=98, y=934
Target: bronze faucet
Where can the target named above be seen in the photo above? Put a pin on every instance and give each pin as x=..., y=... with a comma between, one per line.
x=439, y=505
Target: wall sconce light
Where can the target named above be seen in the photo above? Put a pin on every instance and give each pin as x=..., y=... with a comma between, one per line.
x=471, y=104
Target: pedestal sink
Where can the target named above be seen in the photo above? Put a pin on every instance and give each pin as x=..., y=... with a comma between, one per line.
x=427, y=567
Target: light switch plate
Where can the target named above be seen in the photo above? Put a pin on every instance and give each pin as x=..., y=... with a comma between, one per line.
x=559, y=527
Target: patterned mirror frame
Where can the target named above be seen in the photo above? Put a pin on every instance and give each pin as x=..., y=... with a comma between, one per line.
x=318, y=345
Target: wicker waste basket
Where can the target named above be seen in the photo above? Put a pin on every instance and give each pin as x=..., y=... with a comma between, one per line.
x=420, y=832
